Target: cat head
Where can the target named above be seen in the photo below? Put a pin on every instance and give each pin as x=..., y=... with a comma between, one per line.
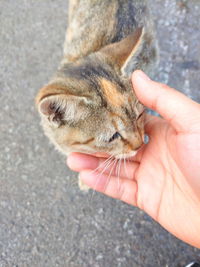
x=90, y=106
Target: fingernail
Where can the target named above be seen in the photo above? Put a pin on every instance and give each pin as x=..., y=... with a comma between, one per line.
x=143, y=76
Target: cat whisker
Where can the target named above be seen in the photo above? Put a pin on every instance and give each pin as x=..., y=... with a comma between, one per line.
x=118, y=172
x=109, y=162
x=125, y=167
x=106, y=167
x=102, y=164
x=110, y=173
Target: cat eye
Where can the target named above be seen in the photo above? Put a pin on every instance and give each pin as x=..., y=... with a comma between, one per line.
x=115, y=136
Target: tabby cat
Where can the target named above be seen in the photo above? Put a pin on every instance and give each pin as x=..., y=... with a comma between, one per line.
x=89, y=105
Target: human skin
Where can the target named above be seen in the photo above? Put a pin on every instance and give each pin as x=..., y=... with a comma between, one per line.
x=163, y=179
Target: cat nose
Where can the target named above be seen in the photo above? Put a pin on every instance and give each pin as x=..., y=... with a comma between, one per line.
x=138, y=147
x=138, y=143
x=134, y=142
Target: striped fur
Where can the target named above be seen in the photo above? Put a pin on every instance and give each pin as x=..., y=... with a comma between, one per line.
x=90, y=98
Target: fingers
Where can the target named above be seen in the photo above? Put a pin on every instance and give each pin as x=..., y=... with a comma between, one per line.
x=124, y=169
x=112, y=179
x=122, y=189
x=181, y=112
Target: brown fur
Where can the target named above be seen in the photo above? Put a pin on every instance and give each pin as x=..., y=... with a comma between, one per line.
x=90, y=98
x=113, y=96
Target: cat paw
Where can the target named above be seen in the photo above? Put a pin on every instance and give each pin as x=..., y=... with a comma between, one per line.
x=83, y=187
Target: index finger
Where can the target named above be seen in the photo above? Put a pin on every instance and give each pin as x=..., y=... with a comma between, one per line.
x=180, y=111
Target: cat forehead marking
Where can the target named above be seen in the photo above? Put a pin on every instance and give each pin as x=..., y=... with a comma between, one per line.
x=113, y=96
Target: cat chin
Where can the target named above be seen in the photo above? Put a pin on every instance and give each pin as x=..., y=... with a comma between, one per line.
x=126, y=155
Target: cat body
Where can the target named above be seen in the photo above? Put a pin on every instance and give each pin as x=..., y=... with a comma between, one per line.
x=89, y=105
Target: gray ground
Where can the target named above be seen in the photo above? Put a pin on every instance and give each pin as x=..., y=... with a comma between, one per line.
x=44, y=219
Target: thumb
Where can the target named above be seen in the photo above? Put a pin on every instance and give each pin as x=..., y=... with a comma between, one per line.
x=180, y=111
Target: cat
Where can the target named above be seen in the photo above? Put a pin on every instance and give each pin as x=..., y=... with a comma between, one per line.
x=89, y=105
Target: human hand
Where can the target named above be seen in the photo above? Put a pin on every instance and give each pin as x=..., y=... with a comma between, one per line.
x=163, y=179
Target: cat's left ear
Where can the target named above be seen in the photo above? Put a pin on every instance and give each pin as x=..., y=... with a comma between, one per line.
x=124, y=51
x=62, y=108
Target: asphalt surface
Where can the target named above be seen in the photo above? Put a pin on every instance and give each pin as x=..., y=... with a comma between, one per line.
x=44, y=219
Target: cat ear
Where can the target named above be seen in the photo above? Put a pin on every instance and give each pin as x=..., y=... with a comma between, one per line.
x=122, y=52
x=60, y=109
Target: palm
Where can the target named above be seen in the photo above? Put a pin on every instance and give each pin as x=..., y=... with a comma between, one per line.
x=163, y=191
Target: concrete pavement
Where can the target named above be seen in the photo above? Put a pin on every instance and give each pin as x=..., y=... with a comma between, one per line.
x=44, y=219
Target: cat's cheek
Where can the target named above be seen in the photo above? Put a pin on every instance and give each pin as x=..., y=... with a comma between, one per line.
x=117, y=149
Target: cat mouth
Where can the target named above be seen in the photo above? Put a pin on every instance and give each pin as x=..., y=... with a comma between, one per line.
x=119, y=156
x=126, y=155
